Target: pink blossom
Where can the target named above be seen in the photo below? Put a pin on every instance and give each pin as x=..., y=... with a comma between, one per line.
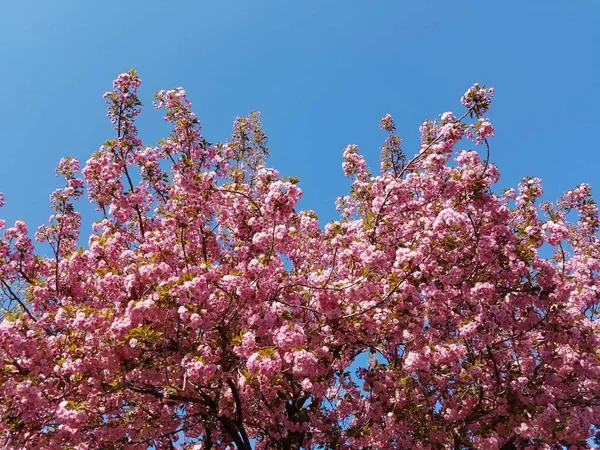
x=207, y=305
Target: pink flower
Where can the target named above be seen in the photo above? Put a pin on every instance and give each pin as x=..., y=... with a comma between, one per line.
x=387, y=123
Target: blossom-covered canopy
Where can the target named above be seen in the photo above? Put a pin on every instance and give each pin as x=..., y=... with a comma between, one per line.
x=205, y=311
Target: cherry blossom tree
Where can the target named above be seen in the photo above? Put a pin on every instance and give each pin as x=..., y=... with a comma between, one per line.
x=205, y=311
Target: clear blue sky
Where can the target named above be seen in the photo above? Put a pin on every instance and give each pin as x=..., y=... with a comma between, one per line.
x=321, y=72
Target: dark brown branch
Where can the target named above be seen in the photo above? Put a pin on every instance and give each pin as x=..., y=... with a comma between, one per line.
x=242, y=443
x=16, y=298
x=238, y=411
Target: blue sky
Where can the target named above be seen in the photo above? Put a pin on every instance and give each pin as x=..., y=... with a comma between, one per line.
x=321, y=72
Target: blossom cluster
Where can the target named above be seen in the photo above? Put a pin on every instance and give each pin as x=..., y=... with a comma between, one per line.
x=206, y=310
